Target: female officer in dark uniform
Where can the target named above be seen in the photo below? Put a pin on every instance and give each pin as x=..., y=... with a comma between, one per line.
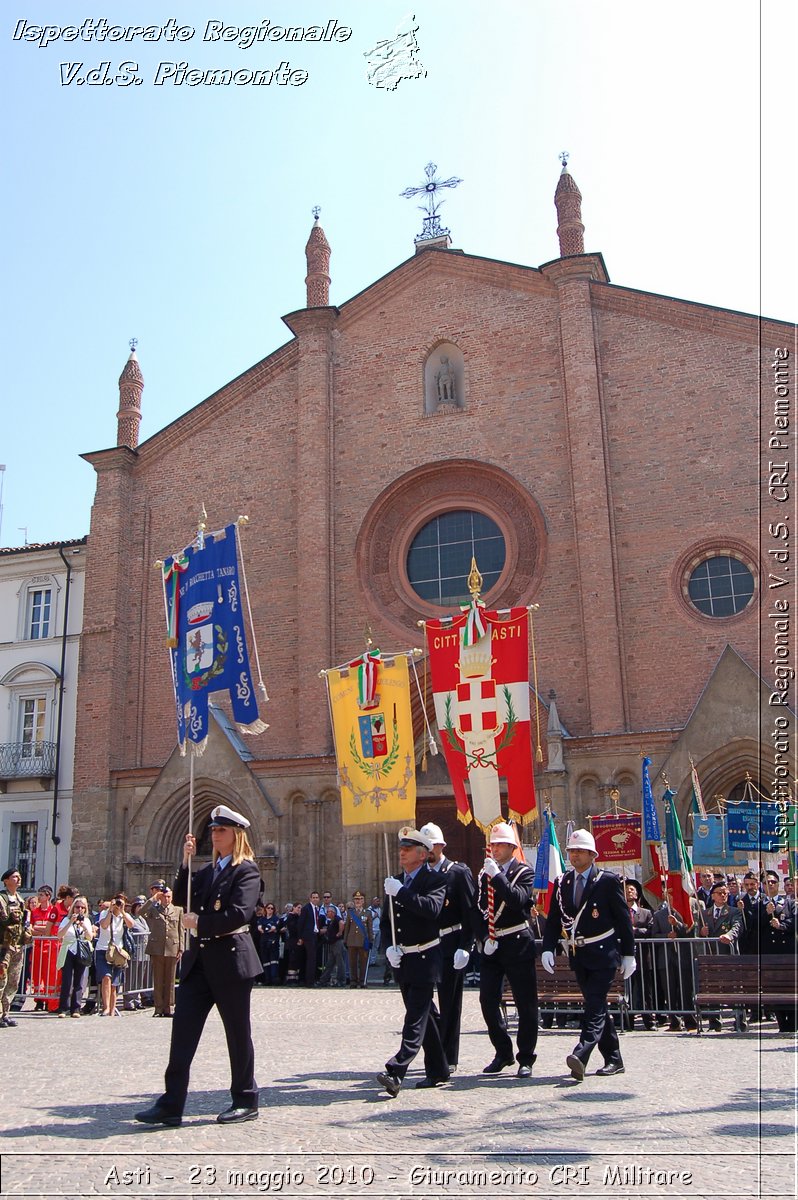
x=218, y=968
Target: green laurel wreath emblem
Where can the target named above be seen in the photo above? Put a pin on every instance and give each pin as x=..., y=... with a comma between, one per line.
x=197, y=682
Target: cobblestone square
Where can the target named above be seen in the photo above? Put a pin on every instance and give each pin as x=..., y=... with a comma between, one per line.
x=720, y=1107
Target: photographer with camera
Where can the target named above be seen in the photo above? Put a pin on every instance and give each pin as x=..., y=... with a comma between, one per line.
x=74, y=955
x=113, y=920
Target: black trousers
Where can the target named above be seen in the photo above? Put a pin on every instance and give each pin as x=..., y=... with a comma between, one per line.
x=311, y=946
x=450, y=1003
x=420, y=1029
x=196, y=996
x=598, y=1027
x=520, y=972
x=73, y=981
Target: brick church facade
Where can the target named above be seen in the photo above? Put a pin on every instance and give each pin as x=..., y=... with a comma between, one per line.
x=610, y=434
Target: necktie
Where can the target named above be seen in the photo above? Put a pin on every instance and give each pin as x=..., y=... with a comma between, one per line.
x=315, y=920
x=579, y=890
x=717, y=912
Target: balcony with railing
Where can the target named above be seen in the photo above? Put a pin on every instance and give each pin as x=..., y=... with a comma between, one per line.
x=27, y=760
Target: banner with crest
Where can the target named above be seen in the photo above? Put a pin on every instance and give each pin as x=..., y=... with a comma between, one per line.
x=373, y=733
x=479, y=663
x=207, y=638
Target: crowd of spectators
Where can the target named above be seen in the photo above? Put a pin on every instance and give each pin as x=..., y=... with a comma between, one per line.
x=329, y=942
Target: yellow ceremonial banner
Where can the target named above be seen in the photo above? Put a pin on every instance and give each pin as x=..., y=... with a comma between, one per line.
x=374, y=746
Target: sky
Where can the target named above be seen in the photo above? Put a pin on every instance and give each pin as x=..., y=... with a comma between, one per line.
x=178, y=215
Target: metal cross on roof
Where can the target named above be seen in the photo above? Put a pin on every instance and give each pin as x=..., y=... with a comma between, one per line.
x=432, y=225
x=133, y=343
x=316, y=210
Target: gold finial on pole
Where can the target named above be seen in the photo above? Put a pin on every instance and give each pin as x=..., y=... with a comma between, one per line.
x=664, y=779
x=474, y=580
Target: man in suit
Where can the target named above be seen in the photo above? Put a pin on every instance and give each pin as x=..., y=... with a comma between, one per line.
x=164, y=946
x=311, y=922
x=219, y=968
x=778, y=936
x=456, y=940
x=720, y=921
x=417, y=897
x=749, y=905
x=505, y=897
x=589, y=912
x=673, y=966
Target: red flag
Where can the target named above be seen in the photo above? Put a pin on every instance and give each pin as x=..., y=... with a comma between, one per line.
x=481, y=694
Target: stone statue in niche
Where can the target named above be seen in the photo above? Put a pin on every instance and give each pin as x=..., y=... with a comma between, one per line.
x=447, y=384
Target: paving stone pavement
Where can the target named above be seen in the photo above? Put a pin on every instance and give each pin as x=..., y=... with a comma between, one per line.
x=720, y=1107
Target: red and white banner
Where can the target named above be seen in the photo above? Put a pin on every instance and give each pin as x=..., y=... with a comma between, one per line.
x=618, y=839
x=481, y=697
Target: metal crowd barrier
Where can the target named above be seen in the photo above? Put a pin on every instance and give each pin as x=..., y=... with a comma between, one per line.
x=40, y=980
x=664, y=983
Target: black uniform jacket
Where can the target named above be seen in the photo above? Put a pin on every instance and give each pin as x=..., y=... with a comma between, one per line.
x=604, y=912
x=458, y=907
x=222, y=904
x=729, y=922
x=513, y=897
x=417, y=910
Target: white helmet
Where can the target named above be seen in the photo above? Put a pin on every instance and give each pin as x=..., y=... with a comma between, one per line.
x=434, y=832
x=581, y=839
x=502, y=832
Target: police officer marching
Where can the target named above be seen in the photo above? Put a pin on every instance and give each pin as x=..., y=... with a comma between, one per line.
x=506, y=891
x=219, y=968
x=417, y=896
x=456, y=940
x=589, y=914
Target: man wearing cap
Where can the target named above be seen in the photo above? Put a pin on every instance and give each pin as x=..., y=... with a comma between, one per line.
x=504, y=901
x=415, y=897
x=164, y=946
x=15, y=932
x=721, y=921
x=456, y=940
x=219, y=968
x=358, y=937
x=589, y=913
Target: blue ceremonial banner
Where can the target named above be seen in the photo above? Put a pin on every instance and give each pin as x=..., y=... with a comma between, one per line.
x=542, y=860
x=711, y=844
x=756, y=827
x=650, y=818
x=206, y=624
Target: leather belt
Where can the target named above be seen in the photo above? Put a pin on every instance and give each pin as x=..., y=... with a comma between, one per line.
x=450, y=929
x=599, y=937
x=422, y=946
x=512, y=929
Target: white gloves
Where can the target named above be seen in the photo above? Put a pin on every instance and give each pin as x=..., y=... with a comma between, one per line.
x=394, y=955
x=628, y=965
x=547, y=961
x=461, y=958
x=491, y=867
x=392, y=886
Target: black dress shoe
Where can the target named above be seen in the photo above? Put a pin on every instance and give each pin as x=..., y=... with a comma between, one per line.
x=576, y=1067
x=10, y=1023
x=525, y=1071
x=391, y=1083
x=498, y=1064
x=232, y=1114
x=714, y=1023
x=431, y=1083
x=158, y=1116
x=611, y=1068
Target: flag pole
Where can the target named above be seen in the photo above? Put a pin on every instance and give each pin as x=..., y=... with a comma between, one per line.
x=390, y=898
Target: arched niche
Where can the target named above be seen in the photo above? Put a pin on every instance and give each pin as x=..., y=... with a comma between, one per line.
x=444, y=379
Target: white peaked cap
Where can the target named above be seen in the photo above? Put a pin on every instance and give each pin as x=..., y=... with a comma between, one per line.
x=222, y=815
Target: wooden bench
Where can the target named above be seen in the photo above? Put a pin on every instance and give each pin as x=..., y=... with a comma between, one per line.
x=560, y=992
x=737, y=980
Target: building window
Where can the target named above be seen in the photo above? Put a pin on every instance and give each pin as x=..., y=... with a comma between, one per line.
x=439, y=558
x=22, y=850
x=720, y=586
x=33, y=715
x=37, y=618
